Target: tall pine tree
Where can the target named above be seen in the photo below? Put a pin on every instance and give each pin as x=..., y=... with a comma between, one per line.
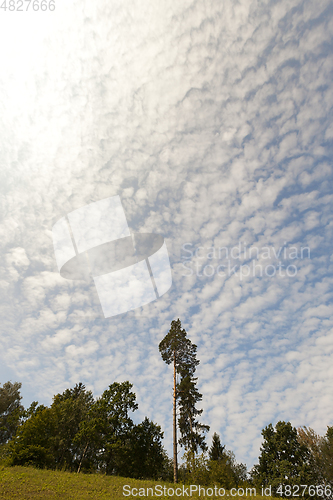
x=177, y=349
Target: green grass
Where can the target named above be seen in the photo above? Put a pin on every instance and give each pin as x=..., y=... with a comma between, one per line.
x=27, y=483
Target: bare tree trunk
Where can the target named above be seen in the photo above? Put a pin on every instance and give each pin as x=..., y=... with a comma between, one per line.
x=82, y=458
x=175, y=465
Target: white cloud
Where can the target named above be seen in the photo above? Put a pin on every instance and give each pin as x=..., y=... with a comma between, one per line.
x=211, y=122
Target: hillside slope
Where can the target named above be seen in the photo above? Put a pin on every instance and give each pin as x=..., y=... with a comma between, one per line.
x=25, y=483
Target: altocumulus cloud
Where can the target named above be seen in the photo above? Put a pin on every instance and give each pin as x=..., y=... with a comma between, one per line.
x=211, y=121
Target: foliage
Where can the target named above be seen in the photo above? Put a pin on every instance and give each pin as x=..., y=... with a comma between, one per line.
x=113, y=425
x=78, y=433
x=284, y=460
x=216, y=451
x=227, y=472
x=239, y=469
x=32, y=444
x=194, y=470
x=321, y=451
x=5, y=454
x=326, y=449
x=223, y=468
x=166, y=471
x=313, y=442
x=68, y=410
x=11, y=410
x=47, y=437
x=146, y=451
x=192, y=432
x=121, y=447
x=224, y=472
x=176, y=348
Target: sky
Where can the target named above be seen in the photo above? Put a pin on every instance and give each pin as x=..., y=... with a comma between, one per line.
x=211, y=121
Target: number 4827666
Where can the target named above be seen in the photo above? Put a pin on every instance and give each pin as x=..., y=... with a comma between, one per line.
x=24, y=5
x=304, y=489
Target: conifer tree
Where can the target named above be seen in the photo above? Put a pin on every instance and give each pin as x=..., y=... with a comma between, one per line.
x=216, y=451
x=177, y=349
x=192, y=432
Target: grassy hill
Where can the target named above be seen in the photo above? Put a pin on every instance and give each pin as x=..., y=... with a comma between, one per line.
x=25, y=483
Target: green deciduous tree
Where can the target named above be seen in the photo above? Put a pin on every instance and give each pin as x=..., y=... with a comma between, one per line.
x=147, y=456
x=283, y=460
x=114, y=443
x=47, y=437
x=69, y=410
x=32, y=444
x=11, y=410
x=313, y=442
x=327, y=457
x=223, y=467
x=321, y=450
x=178, y=350
x=112, y=419
x=224, y=471
x=227, y=472
x=78, y=433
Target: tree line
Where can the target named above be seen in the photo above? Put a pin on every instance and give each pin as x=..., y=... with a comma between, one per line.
x=78, y=433
x=82, y=434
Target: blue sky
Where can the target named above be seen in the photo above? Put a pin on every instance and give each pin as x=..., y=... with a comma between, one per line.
x=212, y=123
